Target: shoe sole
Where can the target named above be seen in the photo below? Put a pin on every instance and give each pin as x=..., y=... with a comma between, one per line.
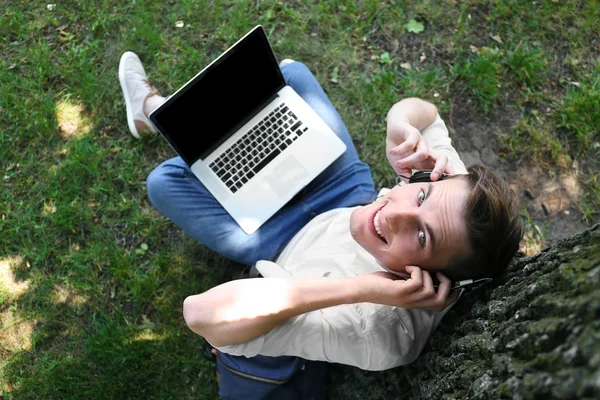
x=130, y=120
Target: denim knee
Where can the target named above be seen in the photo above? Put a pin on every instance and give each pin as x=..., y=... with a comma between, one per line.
x=296, y=70
x=156, y=184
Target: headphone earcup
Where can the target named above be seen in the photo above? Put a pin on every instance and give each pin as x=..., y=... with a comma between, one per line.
x=423, y=177
x=420, y=177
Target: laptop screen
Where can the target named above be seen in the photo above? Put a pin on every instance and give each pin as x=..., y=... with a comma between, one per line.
x=219, y=100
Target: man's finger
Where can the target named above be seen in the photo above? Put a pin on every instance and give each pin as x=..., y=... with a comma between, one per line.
x=440, y=165
x=428, y=282
x=402, y=172
x=416, y=278
x=399, y=156
x=408, y=145
x=421, y=154
x=443, y=289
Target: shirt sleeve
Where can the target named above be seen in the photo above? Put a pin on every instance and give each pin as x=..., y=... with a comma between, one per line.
x=437, y=137
x=364, y=335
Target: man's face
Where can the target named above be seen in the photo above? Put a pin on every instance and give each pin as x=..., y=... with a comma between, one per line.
x=419, y=224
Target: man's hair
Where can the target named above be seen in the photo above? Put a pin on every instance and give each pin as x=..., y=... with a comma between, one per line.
x=494, y=226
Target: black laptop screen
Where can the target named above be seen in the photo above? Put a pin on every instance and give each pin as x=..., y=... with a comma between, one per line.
x=217, y=102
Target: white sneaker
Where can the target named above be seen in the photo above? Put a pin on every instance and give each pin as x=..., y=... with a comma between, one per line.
x=136, y=90
x=285, y=62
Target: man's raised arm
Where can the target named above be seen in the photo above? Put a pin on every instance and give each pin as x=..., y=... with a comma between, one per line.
x=239, y=311
x=418, y=113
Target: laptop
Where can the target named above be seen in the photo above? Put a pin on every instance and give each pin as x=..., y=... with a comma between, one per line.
x=250, y=139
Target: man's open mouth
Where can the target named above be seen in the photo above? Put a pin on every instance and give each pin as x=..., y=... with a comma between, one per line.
x=376, y=225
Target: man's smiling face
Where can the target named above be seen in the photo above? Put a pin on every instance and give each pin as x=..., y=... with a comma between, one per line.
x=418, y=224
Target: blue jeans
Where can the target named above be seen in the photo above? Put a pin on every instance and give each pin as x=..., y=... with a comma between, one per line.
x=178, y=194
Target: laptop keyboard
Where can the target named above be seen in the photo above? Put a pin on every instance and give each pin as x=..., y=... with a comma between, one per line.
x=258, y=147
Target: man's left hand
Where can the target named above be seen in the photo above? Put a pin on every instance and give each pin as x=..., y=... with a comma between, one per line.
x=416, y=292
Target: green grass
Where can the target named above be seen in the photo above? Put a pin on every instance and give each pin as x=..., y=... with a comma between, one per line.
x=92, y=278
x=481, y=76
x=579, y=110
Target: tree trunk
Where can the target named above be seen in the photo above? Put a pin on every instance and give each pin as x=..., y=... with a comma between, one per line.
x=532, y=335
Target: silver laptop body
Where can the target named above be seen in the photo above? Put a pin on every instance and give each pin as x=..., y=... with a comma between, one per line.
x=250, y=139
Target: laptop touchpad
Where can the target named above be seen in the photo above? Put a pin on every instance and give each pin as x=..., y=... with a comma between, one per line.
x=287, y=175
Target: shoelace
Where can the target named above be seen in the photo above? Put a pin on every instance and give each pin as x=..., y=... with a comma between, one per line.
x=153, y=91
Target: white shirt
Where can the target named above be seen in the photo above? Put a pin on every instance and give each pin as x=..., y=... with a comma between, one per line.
x=365, y=335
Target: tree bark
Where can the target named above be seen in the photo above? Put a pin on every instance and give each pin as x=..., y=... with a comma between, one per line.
x=533, y=334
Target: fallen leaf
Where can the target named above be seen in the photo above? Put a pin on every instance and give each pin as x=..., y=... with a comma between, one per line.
x=423, y=57
x=335, y=75
x=142, y=250
x=406, y=65
x=497, y=38
x=414, y=26
x=385, y=58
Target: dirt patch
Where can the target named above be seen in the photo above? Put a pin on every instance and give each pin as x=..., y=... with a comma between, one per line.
x=549, y=197
x=545, y=66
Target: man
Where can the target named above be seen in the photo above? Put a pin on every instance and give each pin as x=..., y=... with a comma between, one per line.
x=332, y=258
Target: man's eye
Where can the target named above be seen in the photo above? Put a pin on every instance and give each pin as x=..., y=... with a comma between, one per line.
x=422, y=238
x=421, y=197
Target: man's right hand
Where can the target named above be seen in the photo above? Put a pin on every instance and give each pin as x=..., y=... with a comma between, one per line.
x=406, y=149
x=416, y=292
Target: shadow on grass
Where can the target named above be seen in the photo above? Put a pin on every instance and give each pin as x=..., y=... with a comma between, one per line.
x=86, y=311
x=72, y=345
x=117, y=362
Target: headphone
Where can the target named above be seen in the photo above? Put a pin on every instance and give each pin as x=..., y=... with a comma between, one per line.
x=420, y=177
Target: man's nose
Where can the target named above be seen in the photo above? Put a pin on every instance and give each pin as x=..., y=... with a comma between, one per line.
x=401, y=215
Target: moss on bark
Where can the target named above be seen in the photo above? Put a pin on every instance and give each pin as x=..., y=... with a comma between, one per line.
x=533, y=334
